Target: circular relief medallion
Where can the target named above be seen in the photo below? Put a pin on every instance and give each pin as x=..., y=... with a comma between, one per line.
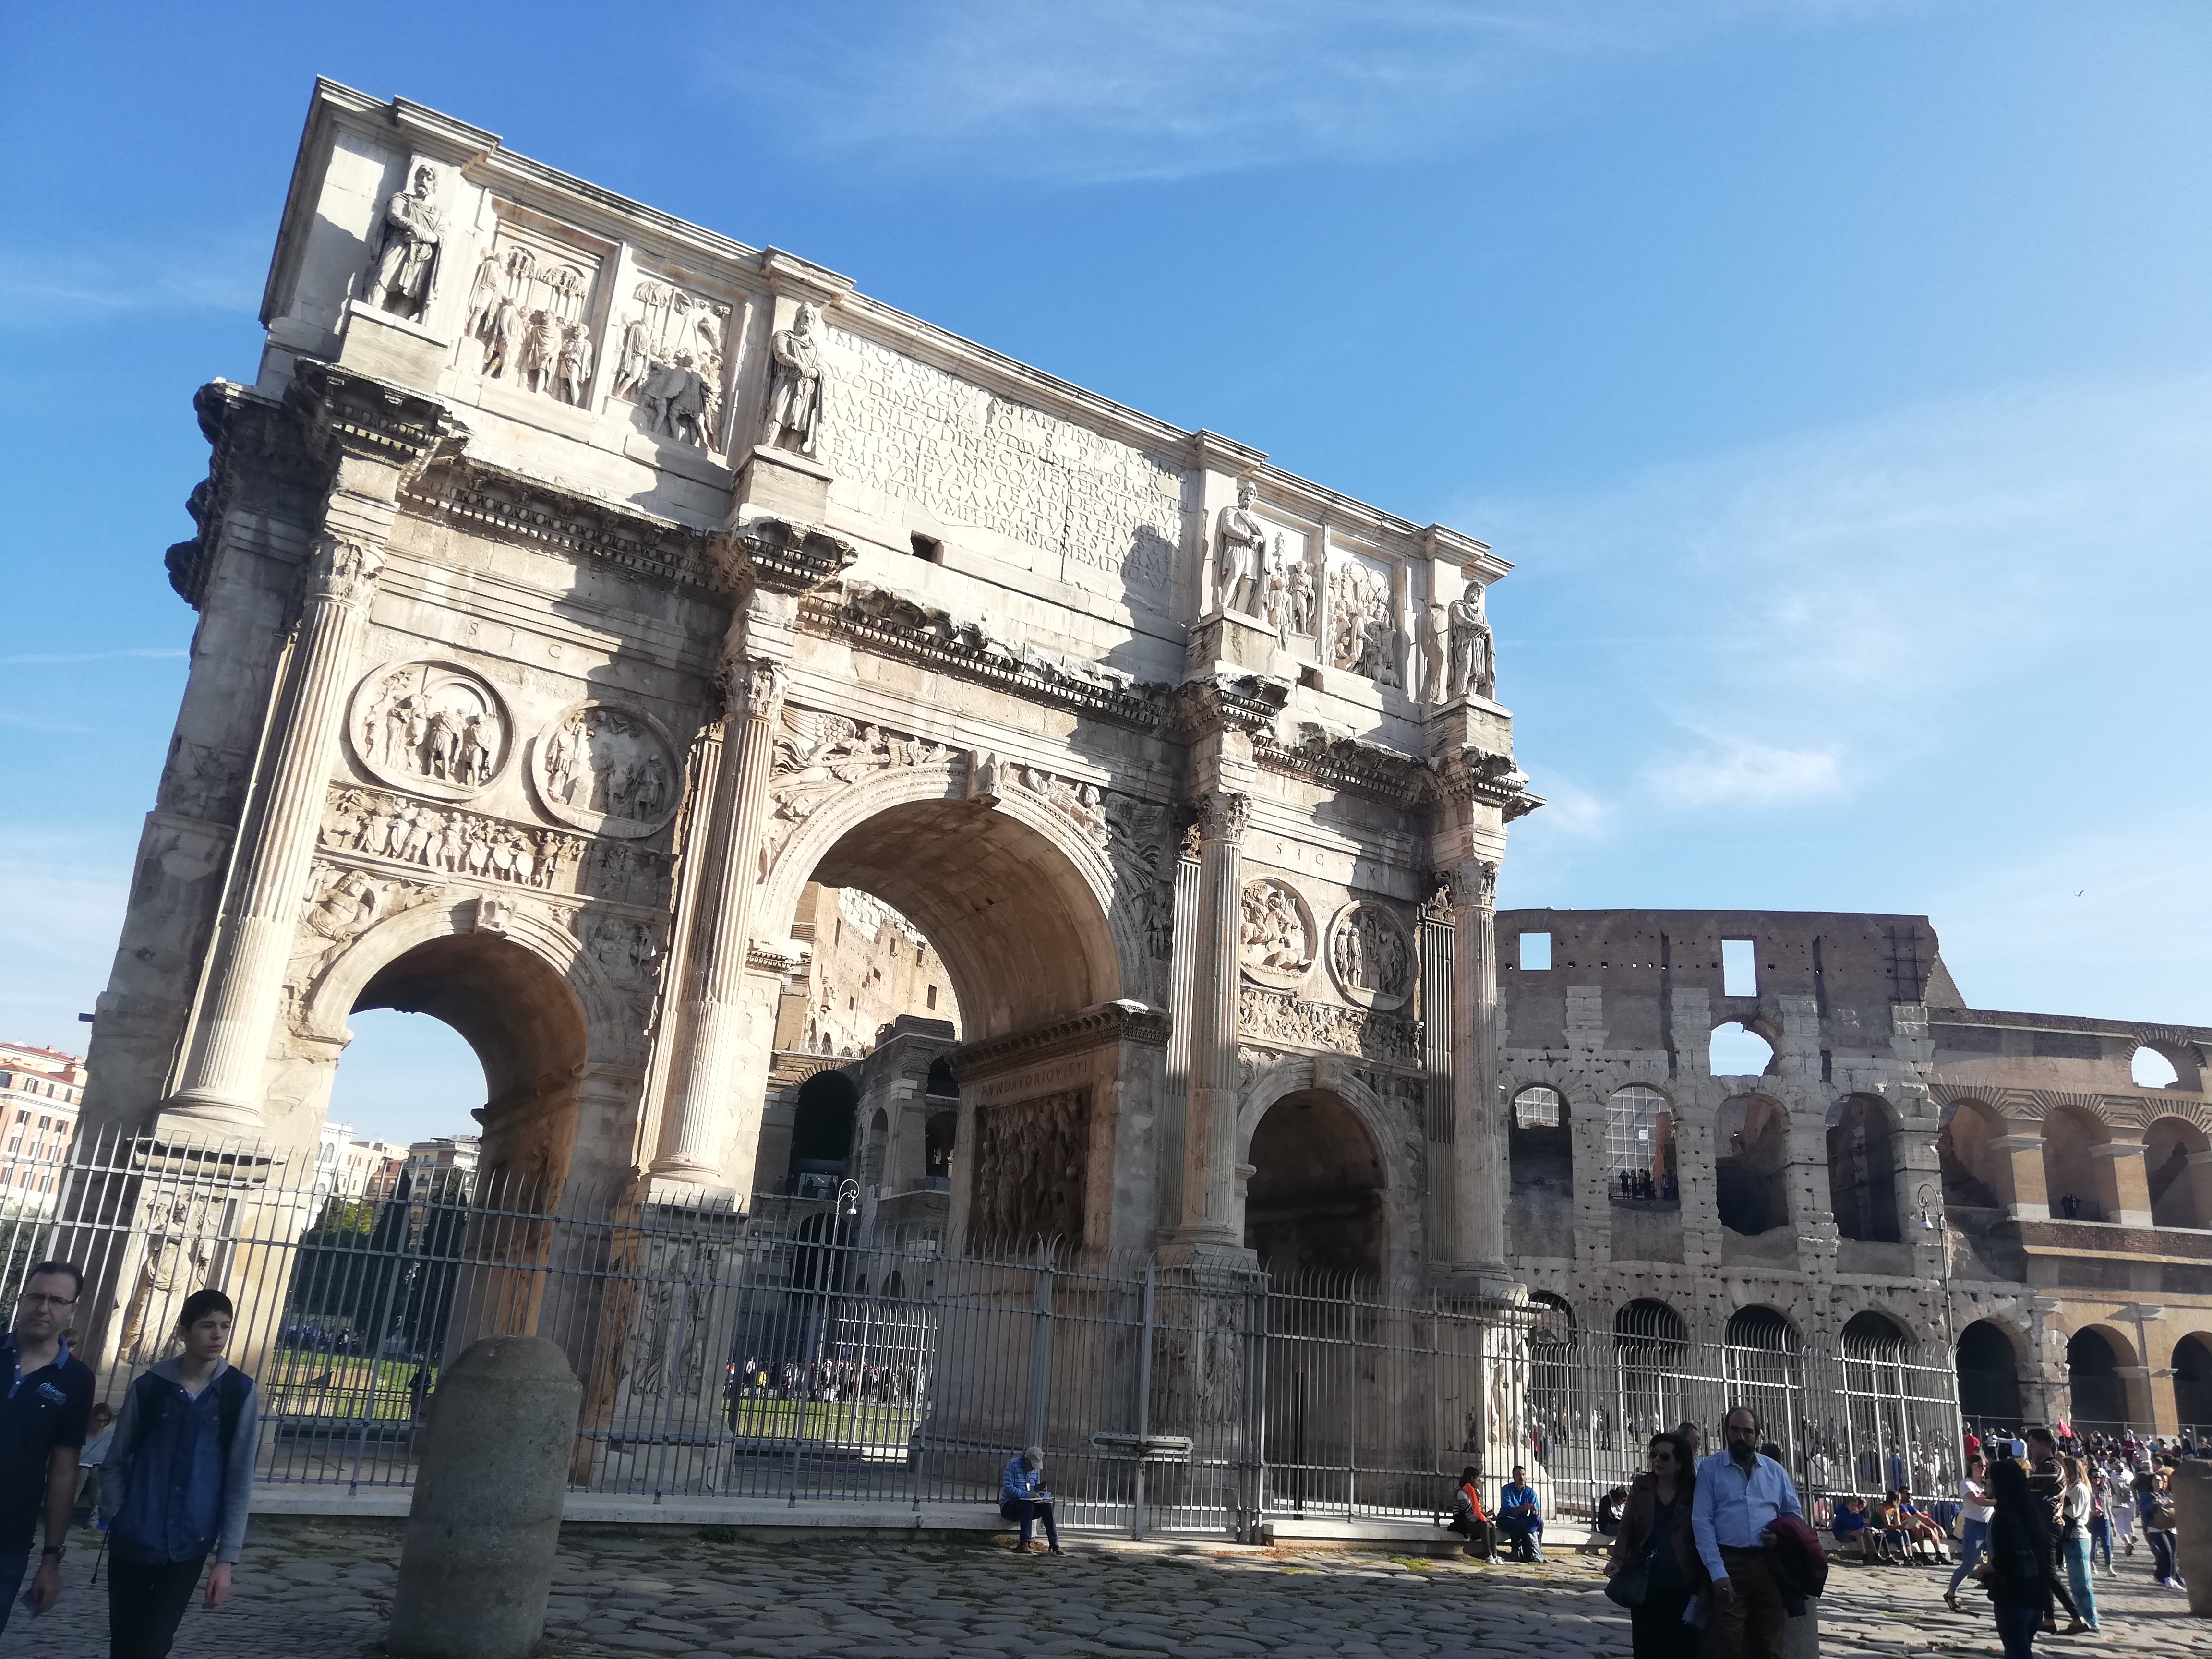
x=430, y=728
x=1275, y=941
x=1371, y=956
x=601, y=767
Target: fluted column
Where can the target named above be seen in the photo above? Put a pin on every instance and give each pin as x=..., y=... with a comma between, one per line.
x=1184, y=951
x=1440, y=1213
x=1209, y=1182
x=226, y=1065
x=1479, y=1151
x=694, y=1129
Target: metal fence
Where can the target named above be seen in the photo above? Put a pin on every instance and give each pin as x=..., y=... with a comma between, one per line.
x=779, y=1356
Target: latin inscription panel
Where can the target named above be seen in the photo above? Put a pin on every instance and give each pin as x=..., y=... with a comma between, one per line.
x=1111, y=515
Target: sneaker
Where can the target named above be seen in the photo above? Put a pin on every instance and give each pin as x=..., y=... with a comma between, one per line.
x=1033, y=1548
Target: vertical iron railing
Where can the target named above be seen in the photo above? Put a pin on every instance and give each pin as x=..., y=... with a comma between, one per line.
x=779, y=1356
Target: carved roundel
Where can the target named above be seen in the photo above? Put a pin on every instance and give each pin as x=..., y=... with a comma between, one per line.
x=1371, y=956
x=605, y=768
x=430, y=728
x=1275, y=938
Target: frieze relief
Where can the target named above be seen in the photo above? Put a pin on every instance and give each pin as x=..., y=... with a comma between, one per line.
x=1032, y=1160
x=1275, y=941
x=527, y=306
x=606, y=768
x=1370, y=957
x=1275, y=1016
x=670, y=363
x=376, y=825
x=430, y=728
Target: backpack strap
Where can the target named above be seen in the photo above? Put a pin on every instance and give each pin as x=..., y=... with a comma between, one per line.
x=230, y=1389
x=147, y=1405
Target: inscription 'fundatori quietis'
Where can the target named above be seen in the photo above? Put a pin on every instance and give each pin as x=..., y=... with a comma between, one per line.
x=917, y=433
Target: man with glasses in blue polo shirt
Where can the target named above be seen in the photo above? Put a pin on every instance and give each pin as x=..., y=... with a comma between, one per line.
x=43, y=1412
x=1739, y=1495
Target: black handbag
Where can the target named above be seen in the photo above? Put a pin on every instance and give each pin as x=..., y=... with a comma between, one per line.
x=1630, y=1584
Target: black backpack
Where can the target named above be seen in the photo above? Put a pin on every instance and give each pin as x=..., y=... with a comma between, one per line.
x=230, y=1398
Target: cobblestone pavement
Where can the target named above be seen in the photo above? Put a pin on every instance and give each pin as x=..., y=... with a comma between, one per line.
x=319, y=1590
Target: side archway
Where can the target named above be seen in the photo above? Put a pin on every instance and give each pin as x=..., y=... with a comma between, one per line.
x=1314, y=1202
x=541, y=1017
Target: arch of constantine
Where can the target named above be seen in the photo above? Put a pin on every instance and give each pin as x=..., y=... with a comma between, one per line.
x=593, y=609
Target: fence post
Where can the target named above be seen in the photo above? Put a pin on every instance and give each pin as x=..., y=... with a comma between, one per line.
x=1251, y=1473
x=1041, y=1349
x=1144, y=1401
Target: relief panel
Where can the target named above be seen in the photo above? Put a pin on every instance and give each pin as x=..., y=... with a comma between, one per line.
x=671, y=361
x=530, y=311
x=606, y=768
x=432, y=728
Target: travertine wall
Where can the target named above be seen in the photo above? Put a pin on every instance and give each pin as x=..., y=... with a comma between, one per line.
x=1979, y=1121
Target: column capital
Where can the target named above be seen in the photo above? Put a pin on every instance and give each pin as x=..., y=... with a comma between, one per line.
x=342, y=570
x=1469, y=884
x=1224, y=815
x=752, y=688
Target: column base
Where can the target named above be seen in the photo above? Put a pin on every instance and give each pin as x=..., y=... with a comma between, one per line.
x=1209, y=1247
x=207, y=1111
x=1482, y=1281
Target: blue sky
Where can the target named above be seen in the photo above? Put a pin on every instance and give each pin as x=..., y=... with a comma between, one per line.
x=1837, y=374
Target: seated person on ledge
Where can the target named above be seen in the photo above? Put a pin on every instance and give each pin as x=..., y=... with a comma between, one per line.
x=1853, y=1530
x=1022, y=1497
x=1521, y=1517
x=1468, y=1519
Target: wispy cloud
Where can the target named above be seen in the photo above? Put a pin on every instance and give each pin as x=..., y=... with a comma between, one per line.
x=1149, y=88
x=1802, y=619
x=98, y=284
x=1730, y=772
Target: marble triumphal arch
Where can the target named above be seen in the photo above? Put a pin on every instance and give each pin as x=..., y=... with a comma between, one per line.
x=576, y=585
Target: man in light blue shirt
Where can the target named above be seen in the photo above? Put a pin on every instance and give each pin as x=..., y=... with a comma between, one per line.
x=1022, y=1497
x=1739, y=1494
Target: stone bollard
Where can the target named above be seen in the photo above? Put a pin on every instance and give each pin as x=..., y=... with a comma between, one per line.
x=486, y=1520
x=2192, y=1530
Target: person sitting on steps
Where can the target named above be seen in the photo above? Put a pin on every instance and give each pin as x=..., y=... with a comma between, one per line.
x=1468, y=1519
x=1022, y=1497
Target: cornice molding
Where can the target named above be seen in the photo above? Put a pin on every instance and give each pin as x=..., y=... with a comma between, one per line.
x=1080, y=1033
x=895, y=624
x=513, y=508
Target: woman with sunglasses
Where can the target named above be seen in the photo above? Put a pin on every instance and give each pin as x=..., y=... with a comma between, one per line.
x=1656, y=1546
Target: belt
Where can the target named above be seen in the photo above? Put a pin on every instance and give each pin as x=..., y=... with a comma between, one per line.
x=1743, y=1549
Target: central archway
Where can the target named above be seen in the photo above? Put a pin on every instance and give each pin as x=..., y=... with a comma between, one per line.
x=1017, y=903
x=1015, y=897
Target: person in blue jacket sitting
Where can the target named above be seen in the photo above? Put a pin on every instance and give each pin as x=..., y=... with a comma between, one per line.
x=1022, y=1497
x=1521, y=1516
